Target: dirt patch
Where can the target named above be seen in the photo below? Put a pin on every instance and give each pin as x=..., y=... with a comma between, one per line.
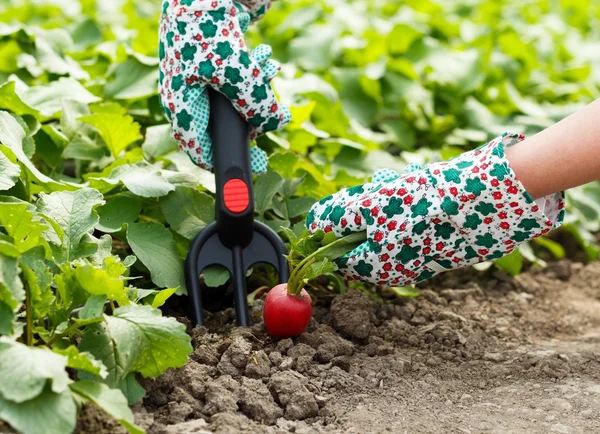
x=473, y=353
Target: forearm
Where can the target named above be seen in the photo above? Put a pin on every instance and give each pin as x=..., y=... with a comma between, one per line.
x=562, y=156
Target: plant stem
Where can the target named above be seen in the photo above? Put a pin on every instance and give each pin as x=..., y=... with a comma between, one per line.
x=295, y=281
x=147, y=219
x=28, y=314
x=72, y=328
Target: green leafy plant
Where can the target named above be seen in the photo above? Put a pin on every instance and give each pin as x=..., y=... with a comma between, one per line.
x=315, y=255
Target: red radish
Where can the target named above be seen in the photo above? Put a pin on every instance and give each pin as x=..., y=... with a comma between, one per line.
x=286, y=315
x=288, y=307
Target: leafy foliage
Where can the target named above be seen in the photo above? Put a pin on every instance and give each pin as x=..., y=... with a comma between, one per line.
x=98, y=207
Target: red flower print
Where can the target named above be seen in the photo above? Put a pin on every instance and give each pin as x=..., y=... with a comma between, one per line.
x=273, y=108
x=407, y=241
x=366, y=203
x=357, y=220
x=487, y=220
x=390, y=247
x=214, y=80
x=535, y=208
x=427, y=250
x=519, y=211
x=427, y=241
x=204, y=46
x=378, y=236
x=255, y=72
x=401, y=191
x=403, y=226
x=502, y=215
x=439, y=246
x=391, y=225
x=387, y=266
x=512, y=189
x=507, y=182
x=327, y=229
x=483, y=252
x=384, y=276
x=344, y=222
x=385, y=257
x=242, y=102
x=381, y=220
x=210, y=56
x=374, y=211
x=495, y=183
x=504, y=225
x=408, y=200
x=198, y=37
x=484, y=176
x=422, y=181
x=497, y=195
x=453, y=191
x=219, y=62
x=513, y=204
x=399, y=267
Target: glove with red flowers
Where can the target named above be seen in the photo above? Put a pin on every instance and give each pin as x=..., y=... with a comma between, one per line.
x=202, y=45
x=444, y=216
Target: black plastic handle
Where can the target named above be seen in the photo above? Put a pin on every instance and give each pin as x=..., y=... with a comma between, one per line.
x=231, y=149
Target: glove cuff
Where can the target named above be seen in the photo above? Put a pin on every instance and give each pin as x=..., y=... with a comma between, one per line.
x=483, y=198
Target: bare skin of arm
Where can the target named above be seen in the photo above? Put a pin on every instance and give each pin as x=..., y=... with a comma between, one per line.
x=563, y=156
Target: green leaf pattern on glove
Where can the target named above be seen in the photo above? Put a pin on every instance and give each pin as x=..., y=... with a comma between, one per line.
x=441, y=217
x=201, y=45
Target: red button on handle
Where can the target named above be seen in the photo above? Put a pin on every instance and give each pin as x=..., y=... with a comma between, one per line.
x=235, y=194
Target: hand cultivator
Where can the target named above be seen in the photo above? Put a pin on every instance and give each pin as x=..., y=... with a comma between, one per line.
x=234, y=241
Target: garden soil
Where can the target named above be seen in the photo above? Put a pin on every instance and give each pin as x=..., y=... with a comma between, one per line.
x=474, y=353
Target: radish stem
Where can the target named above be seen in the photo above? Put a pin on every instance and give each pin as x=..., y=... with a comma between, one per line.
x=295, y=282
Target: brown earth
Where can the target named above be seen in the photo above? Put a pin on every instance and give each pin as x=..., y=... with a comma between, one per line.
x=475, y=353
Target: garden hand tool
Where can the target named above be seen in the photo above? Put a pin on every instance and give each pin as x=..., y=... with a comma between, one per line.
x=234, y=241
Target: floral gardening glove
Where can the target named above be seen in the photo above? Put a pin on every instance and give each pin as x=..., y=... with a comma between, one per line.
x=201, y=45
x=444, y=216
x=256, y=8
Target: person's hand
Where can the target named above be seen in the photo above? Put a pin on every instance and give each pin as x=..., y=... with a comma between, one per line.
x=441, y=217
x=201, y=45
